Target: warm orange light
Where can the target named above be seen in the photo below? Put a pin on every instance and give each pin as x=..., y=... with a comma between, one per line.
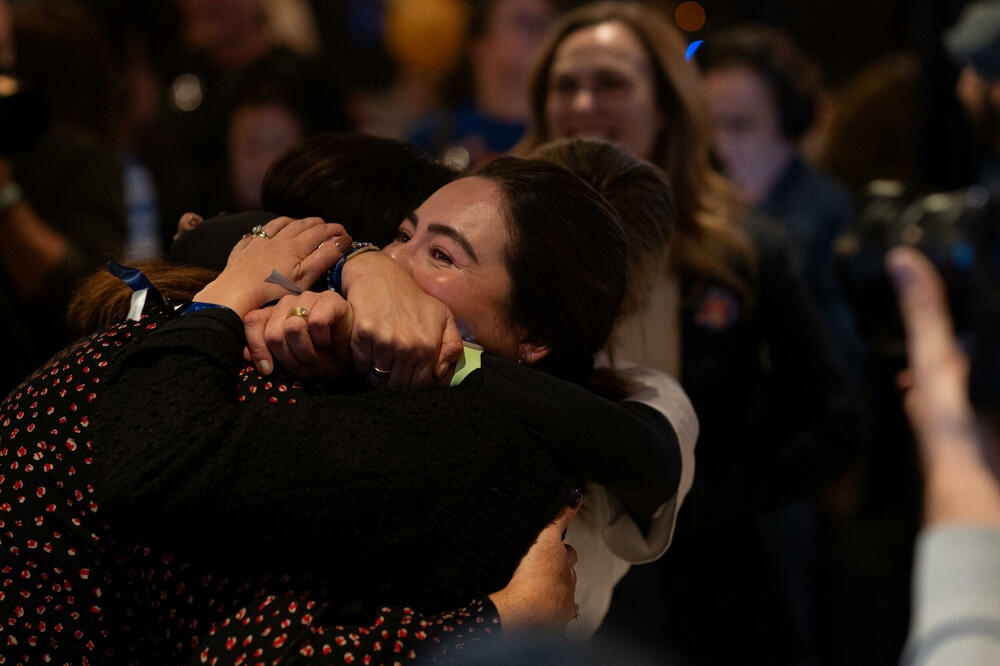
x=690, y=16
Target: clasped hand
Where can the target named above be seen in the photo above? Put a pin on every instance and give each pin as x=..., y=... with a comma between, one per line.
x=387, y=328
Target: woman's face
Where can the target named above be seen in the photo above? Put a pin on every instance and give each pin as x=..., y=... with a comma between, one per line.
x=454, y=247
x=601, y=86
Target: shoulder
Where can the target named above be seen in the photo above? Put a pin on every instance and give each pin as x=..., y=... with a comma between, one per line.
x=811, y=188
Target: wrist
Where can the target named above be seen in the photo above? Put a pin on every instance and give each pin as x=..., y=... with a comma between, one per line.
x=335, y=276
x=236, y=300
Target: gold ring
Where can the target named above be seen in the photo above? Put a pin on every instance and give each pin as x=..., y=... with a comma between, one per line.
x=299, y=312
x=380, y=371
x=259, y=231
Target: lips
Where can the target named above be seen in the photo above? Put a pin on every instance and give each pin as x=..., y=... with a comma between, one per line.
x=590, y=132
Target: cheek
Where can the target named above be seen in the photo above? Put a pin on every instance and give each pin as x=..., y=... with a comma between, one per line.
x=555, y=112
x=641, y=123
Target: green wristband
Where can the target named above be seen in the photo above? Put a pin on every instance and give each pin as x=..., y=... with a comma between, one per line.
x=471, y=360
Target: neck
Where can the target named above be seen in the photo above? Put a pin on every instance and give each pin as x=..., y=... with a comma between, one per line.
x=755, y=186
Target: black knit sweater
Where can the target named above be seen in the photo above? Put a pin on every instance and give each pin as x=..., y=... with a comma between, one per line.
x=419, y=497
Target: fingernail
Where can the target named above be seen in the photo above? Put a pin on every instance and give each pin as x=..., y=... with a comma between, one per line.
x=442, y=369
x=902, y=276
x=574, y=497
x=265, y=367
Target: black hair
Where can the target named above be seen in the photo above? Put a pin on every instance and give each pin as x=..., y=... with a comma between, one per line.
x=793, y=79
x=366, y=183
x=566, y=258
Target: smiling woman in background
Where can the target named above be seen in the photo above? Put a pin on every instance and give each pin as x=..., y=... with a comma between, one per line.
x=729, y=315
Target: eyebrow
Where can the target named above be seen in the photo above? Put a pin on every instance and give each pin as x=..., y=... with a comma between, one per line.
x=451, y=233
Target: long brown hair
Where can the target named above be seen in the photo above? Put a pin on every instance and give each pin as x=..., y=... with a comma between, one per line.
x=707, y=244
x=101, y=299
x=641, y=195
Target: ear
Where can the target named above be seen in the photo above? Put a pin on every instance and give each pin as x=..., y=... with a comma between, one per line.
x=531, y=350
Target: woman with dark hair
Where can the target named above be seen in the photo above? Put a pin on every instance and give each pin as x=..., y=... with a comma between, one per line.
x=331, y=175
x=240, y=481
x=330, y=172
x=640, y=191
x=728, y=315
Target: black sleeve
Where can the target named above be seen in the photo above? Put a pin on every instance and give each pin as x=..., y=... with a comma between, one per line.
x=628, y=447
x=423, y=496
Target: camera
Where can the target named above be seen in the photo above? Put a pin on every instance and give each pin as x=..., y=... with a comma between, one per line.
x=959, y=231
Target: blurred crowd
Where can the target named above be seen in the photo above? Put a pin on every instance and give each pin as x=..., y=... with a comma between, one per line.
x=123, y=124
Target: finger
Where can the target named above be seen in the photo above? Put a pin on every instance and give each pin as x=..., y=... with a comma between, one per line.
x=253, y=325
x=325, y=314
x=565, y=517
x=186, y=223
x=451, y=350
x=423, y=373
x=305, y=361
x=384, y=359
x=274, y=334
x=322, y=247
x=298, y=336
x=402, y=372
x=361, y=345
x=332, y=330
x=274, y=227
x=408, y=359
x=922, y=301
x=295, y=227
x=572, y=555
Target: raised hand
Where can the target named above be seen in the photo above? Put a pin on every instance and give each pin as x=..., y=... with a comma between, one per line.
x=300, y=250
x=402, y=337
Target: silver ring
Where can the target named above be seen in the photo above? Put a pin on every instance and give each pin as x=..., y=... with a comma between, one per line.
x=259, y=231
x=381, y=372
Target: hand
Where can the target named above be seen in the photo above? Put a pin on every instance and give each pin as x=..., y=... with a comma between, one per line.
x=937, y=378
x=298, y=249
x=313, y=346
x=187, y=222
x=959, y=486
x=397, y=327
x=540, y=595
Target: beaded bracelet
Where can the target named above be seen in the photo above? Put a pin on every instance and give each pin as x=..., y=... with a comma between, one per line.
x=333, y=276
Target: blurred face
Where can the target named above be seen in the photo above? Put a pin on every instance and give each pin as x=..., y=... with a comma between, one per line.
x=747, y=124
x=258, y=134
x=981, y=100
x=601, y=86
x=453, y=247
x=516, y=28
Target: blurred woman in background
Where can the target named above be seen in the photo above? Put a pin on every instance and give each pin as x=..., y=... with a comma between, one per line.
x=729, y=315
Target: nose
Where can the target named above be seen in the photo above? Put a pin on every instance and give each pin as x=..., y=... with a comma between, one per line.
x=583, y=100
x=398, y=253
